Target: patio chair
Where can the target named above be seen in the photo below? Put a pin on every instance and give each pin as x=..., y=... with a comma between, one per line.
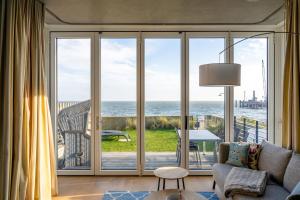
x=197, y=124
x=240, y=137
x=193, y=147
x=72, y=126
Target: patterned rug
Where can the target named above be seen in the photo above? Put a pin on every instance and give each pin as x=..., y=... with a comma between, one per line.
x=126, y=195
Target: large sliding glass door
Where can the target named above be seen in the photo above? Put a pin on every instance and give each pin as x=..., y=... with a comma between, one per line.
x=128, y=103
x=206, y=106
x=162, y=100
x=118, y=102
x=73, y=105
x=251, y=98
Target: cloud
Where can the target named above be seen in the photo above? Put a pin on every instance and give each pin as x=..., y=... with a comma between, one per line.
x=254, y=48
x=118, y=70
x=160, y=85
x=162, y=72
x=250, y=54
x=74, y=69
x=114, y=52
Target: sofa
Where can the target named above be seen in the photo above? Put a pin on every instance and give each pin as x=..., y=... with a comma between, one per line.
x=282, y=166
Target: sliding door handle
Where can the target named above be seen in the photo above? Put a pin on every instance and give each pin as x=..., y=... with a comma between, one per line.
x=186, y=119
x=98, y=122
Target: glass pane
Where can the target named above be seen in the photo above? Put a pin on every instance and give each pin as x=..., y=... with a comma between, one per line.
x=206, y=106
x=162, y=102
x=73, y=132
x=250, y=99
x=118, y=103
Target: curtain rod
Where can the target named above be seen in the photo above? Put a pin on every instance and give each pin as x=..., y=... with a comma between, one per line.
x=250, y=23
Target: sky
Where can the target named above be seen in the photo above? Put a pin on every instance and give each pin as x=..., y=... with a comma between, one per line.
x=162, y=68
x=250, y=53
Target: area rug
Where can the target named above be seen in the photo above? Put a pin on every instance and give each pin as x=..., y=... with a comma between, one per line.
x=141, y=195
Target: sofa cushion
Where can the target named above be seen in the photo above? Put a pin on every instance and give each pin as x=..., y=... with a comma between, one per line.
x=238, y=154
x=223, y=151
x=292, y=173
x=272, y=192
x=295, y=194
x=274, y=160
x=253, y=156
x=220, y=172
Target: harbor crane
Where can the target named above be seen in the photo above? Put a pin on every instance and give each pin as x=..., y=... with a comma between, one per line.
x=264, y=80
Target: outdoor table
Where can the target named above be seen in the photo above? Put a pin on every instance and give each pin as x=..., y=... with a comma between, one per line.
x=203, y=136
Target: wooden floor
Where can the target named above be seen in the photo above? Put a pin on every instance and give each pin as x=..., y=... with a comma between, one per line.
x=94, y=187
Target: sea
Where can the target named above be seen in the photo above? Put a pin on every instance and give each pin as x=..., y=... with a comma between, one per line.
x=172, y=108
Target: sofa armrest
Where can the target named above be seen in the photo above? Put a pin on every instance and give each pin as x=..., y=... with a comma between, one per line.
x=295, y=194
x=223, y=152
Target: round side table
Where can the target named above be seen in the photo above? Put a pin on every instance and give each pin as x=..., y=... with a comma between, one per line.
x=171, y=173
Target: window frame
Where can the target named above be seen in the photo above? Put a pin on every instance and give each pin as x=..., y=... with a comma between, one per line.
x=98, y=156
x=53, y=93
x=270, y=80
x=158, y=35
x=140, y=35
x=191, y=35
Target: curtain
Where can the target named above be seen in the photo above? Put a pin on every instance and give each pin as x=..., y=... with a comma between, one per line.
x=291, y=88
x=27, y=161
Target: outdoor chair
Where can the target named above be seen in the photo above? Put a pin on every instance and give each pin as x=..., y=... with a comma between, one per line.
x=193, y=147
x=240, y=136
x=72, y=126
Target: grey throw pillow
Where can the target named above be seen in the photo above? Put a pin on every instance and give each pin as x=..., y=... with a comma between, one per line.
x=274, y=160
x=292, y=173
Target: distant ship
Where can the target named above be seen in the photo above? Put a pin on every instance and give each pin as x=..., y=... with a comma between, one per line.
x=252, y=103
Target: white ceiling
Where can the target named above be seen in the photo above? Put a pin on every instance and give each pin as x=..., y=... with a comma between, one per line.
x=164, y=11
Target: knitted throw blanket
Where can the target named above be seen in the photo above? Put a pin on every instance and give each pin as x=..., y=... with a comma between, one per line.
x=245, y=181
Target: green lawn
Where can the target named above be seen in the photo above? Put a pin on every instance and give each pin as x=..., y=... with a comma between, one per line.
x=160, y=140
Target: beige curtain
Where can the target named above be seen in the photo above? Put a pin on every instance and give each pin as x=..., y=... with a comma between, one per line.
x=27, y=162
x=291, y=88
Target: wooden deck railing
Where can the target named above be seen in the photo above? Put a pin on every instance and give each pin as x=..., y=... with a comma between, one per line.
x=249, y=130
